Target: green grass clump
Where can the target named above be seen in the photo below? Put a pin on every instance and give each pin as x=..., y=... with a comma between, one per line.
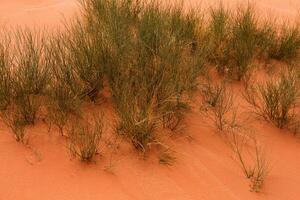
x=218, y=101
x=64, y=90
x=219, y=31
x=286, y=46
x=266, y=37
x=84, y=48
x=29, y=75
x=84, y=137
x=15, y=122
x=243, y=42
x=276, y=100
x=237, y=39
x=5, y=70
x=152, y=59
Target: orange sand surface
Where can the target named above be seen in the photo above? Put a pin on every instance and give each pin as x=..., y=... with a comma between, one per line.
x=205, y=168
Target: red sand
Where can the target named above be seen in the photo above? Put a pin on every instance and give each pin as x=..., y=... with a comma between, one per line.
x=205, y=168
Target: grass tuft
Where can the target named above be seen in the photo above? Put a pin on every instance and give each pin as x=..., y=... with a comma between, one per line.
x=276, y=100
x=84, y=138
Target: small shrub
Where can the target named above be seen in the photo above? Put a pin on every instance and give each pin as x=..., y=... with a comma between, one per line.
x=219, y=30
x=84, y=138
x=287, y=45
x=266, y=37
x=153, y=57
x=29, y=76
x=259, y=171
x=5, y=71
x=243, y=42
x=234, y=38
x=62, y=105
x=64, y=90
x=220, y=104
x=137, y=120
x=84, y=48
x=252, y=161
x=212, y=93
x=276, y=100
x=16, y=123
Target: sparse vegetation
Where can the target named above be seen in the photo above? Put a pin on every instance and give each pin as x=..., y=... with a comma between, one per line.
x=84, y=137
x=219, y=29
x=286, y=46
x=220, y=104
x=29, y=74
x=149, y=55
x=234, y=38
x=154, y=56
x=276, y=100
x=84, y=48
x=167, y=157
x=5, y=71
x=250, y=156
x=63, y=90
x=16, y=123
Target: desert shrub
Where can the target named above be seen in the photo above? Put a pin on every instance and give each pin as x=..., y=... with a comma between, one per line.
x=84, y=137
x=266, y=37
x=29, y=75
x=243, y=42
x=237, y=38
x=276, y=100
x=220, y=104
x=219, y=31
x=62, y=105
x=5, y=70
x=250, y=156
x=137, y=120
x=212, y=93
x=84, y=47
x=152, y=59
x=14, y=120
x=287, y=44
x=64, y=90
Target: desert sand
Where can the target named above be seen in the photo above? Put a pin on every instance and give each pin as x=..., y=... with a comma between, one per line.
x=205, y=168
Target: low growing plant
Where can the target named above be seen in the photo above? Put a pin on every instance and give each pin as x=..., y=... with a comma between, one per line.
x=84, y=137
x=220, y=104
x=29, y=74
x=252, y=161
x=153, y=56
x=5, y=71
x=287, y=44
x=16, y=123
x=276, y=100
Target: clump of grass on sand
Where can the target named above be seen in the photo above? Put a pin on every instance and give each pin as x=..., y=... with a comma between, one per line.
x=251, y=158
x=218, y=104
x=5, y=70
x=63, y=92
x=29, y=74
x=153, y=57
x=276, y=100
x=286, y=46
x=84, y=137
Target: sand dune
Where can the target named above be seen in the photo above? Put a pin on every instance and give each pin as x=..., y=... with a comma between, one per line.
x=205, y=167
x=36, y=12
x=50, y=12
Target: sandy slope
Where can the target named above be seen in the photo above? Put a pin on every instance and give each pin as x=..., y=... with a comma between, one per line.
x=205, y=167
x=35, y=12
